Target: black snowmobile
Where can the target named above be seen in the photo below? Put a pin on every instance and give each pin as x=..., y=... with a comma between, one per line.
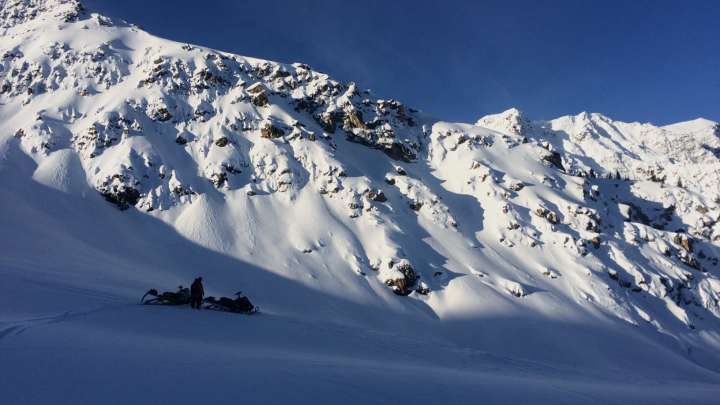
x=239, y=305
x=181, y=297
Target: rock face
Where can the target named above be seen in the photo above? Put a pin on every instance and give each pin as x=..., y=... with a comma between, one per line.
x=242, y=155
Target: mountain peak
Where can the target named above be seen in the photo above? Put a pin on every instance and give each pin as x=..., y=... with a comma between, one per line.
x=16, y=12
x=510, y=121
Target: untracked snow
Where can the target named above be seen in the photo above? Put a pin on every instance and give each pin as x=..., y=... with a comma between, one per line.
x=395, y=257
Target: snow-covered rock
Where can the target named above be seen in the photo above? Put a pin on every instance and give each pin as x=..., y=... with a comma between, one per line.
x=308, y=179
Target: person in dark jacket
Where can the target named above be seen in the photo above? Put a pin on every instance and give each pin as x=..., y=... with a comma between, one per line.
x=197, y=292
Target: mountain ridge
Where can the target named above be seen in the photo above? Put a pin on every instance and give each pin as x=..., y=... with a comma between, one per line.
x=323, y=190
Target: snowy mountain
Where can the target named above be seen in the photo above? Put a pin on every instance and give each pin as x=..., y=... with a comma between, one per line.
x=577, y=255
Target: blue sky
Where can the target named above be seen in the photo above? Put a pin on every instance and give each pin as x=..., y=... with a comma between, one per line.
x=656, y=61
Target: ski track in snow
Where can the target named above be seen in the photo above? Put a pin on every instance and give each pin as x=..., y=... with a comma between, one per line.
x=9, y=329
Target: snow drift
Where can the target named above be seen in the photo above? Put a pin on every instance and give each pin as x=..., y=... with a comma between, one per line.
x=580, y=252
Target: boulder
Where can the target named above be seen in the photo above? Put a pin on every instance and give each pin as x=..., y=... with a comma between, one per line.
x=270, y=131
x=162, y=114
x=377, y=195
x=403, y=285
x=416, y=205
x=547, y=214
x=517, y=186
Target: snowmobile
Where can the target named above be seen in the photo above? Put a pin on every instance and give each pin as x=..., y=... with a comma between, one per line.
x=181, y=297
x=240, y=305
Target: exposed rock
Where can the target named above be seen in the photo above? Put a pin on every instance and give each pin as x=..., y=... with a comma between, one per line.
x=399, y=151
x=258, y=94
x=327, y=122
x=547, y=214
x=270, y=131
x=516, y=186
x=162, y=114
x=117, y=192
x=377, y=195
x=403, y=285
x=684, y=241
x=688, y=259
x=549, y=273
x=553, y=158
x=218, y=179
x=633, y=213
x=222, y=141
x=592, y=226
x=423, y=289
x=255, y=88
x=353, y=119
x=230, y=169
x=416, y=205
x=514, y=288
x=260, y=99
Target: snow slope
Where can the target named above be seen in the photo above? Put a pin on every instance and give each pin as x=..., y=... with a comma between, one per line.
x=395, y=256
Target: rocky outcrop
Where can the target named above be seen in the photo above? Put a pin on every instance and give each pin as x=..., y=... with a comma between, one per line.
x=406, y=280
x=270, y=131
x=117, y=191
x=550, y=216
x=258, y=95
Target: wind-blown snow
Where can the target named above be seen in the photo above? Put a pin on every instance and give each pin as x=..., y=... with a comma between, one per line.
x=394, y=256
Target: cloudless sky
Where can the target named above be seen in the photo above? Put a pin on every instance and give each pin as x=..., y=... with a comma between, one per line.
x=633, y=60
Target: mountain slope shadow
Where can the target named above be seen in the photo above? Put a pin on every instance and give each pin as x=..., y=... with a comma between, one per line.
x=136, y=251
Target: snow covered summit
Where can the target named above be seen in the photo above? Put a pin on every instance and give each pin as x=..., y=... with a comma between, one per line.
x=128, y=161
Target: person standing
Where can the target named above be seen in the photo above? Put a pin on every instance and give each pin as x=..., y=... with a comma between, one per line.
x=197, y=292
